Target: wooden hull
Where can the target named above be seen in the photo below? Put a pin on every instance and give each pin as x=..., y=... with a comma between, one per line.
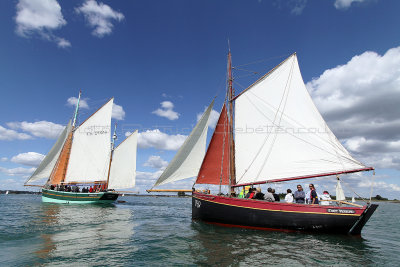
x=78, y=198
x=256, y=214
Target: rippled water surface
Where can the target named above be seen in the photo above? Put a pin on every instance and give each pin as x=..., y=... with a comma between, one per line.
x=159, y=231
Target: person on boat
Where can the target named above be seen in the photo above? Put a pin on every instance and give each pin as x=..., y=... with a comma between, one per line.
x=259, y=195
x=289, y=196
x=244, y=191
x=325, y=199
x=313, y=195
x=91, y=189
x=276, y=196
x=51, y=187
x=299, y=195
x=269, y=196
x=251, y=193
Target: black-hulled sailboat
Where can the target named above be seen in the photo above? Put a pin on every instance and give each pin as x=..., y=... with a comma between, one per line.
x=84, y=156
x=269, y=133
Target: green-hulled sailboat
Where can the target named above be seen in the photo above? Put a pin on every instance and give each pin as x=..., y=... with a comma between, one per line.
x=83, y=156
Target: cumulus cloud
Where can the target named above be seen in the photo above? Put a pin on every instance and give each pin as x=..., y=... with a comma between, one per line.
x=99, y=16
x=41, y=18
x=9, y=135
x=43, y=129
x=212, y=121
x=159, y=140
x=297, y=6
x=345, y=4
x=378, y=185
x=24, y=172
x=166, y=111
x=360, y=101
x=73, y=100
x=118, y=112
x=156, y=162
x=29, y=159
x=3, y=159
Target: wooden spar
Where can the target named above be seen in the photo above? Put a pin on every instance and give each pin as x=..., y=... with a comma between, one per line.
x=232, y=170
x=169, y=190
x=33, y=185
x=306, y=177
x=111, y=154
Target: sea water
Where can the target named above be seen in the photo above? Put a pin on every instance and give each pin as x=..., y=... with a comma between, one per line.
x=159, y=231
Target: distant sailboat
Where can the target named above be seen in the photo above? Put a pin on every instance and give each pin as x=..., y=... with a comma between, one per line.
x=83, y=156
x=7, y=192
x=271, y=132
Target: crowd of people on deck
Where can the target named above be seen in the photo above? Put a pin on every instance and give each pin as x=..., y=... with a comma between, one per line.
x=76, y=189
x=299, y=196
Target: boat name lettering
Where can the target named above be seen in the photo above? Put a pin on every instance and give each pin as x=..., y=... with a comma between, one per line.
x=341, y=211
x=95, y=130
x=197, y=203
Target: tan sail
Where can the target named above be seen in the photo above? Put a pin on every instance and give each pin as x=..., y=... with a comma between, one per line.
x=59, y=171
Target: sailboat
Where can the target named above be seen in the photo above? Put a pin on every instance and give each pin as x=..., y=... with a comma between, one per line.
x=86, y=156
x=269, y=133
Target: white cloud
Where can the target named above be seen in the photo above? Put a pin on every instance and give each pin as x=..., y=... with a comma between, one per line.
x=345, y=4
x=212, y=121
x=379, y=185
x=99, y=16
x=73, y=100
x=24, y=172
x=40, y=17
x=166, y=111
x=8, y=135
x=43, y=129
x=156, y=162
x=118, y=112
x=29, y=159
x=159, y=140
x=360, y=101
x=3, y=159
x=297, y=6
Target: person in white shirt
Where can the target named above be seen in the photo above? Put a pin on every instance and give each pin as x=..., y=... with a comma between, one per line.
x=289, y=196
x=325, y=199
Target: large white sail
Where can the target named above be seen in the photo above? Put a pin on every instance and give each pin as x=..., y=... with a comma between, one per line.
x=46, y=166
x=187, y=161
x=280, y=133
x=123, y=165
x=90, y=152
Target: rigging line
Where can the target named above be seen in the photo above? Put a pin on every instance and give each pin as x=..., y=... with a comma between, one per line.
x=223, y=152
x=268, y=135
x=263, y=60
x=363, y=199
x=252, y=71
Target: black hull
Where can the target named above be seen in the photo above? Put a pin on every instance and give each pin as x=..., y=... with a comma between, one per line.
x=268, y=217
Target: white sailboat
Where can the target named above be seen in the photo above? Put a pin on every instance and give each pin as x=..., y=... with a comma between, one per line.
x=83, y=156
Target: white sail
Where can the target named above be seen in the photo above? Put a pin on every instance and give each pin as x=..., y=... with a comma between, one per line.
x=280, y=133
x=46, y=166
x=123, y=165
x=187, y=161
x=90, y=152
x=339, y=191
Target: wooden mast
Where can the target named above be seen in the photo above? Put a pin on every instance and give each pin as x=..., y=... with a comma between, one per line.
x=111, y=154
x=231, y=93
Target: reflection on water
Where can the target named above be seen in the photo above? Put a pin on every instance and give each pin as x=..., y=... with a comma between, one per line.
x=235, y=246
x=151, y=231
x=74, y=232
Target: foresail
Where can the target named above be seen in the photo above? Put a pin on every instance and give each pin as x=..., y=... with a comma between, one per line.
x=46, y=166
x=123, y=165
x=279, y=132
x=187, y=161
x=90, y=152
x=215, y=167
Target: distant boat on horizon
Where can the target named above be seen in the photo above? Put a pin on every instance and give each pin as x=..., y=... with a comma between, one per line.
x=271, y=132
x=7, y=192
x=85, y=156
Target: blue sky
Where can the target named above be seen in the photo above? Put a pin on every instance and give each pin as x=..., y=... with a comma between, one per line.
x=145, y=53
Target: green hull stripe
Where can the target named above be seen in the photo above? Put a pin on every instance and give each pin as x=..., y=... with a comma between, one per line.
x=70, y=197
x=54, y=200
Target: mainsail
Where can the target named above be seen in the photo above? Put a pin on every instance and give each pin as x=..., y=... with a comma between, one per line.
x=279, y=133
x=215, y=166
x=46, y=166
x=187, y=161
x=90, y=152
x=123, y=165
